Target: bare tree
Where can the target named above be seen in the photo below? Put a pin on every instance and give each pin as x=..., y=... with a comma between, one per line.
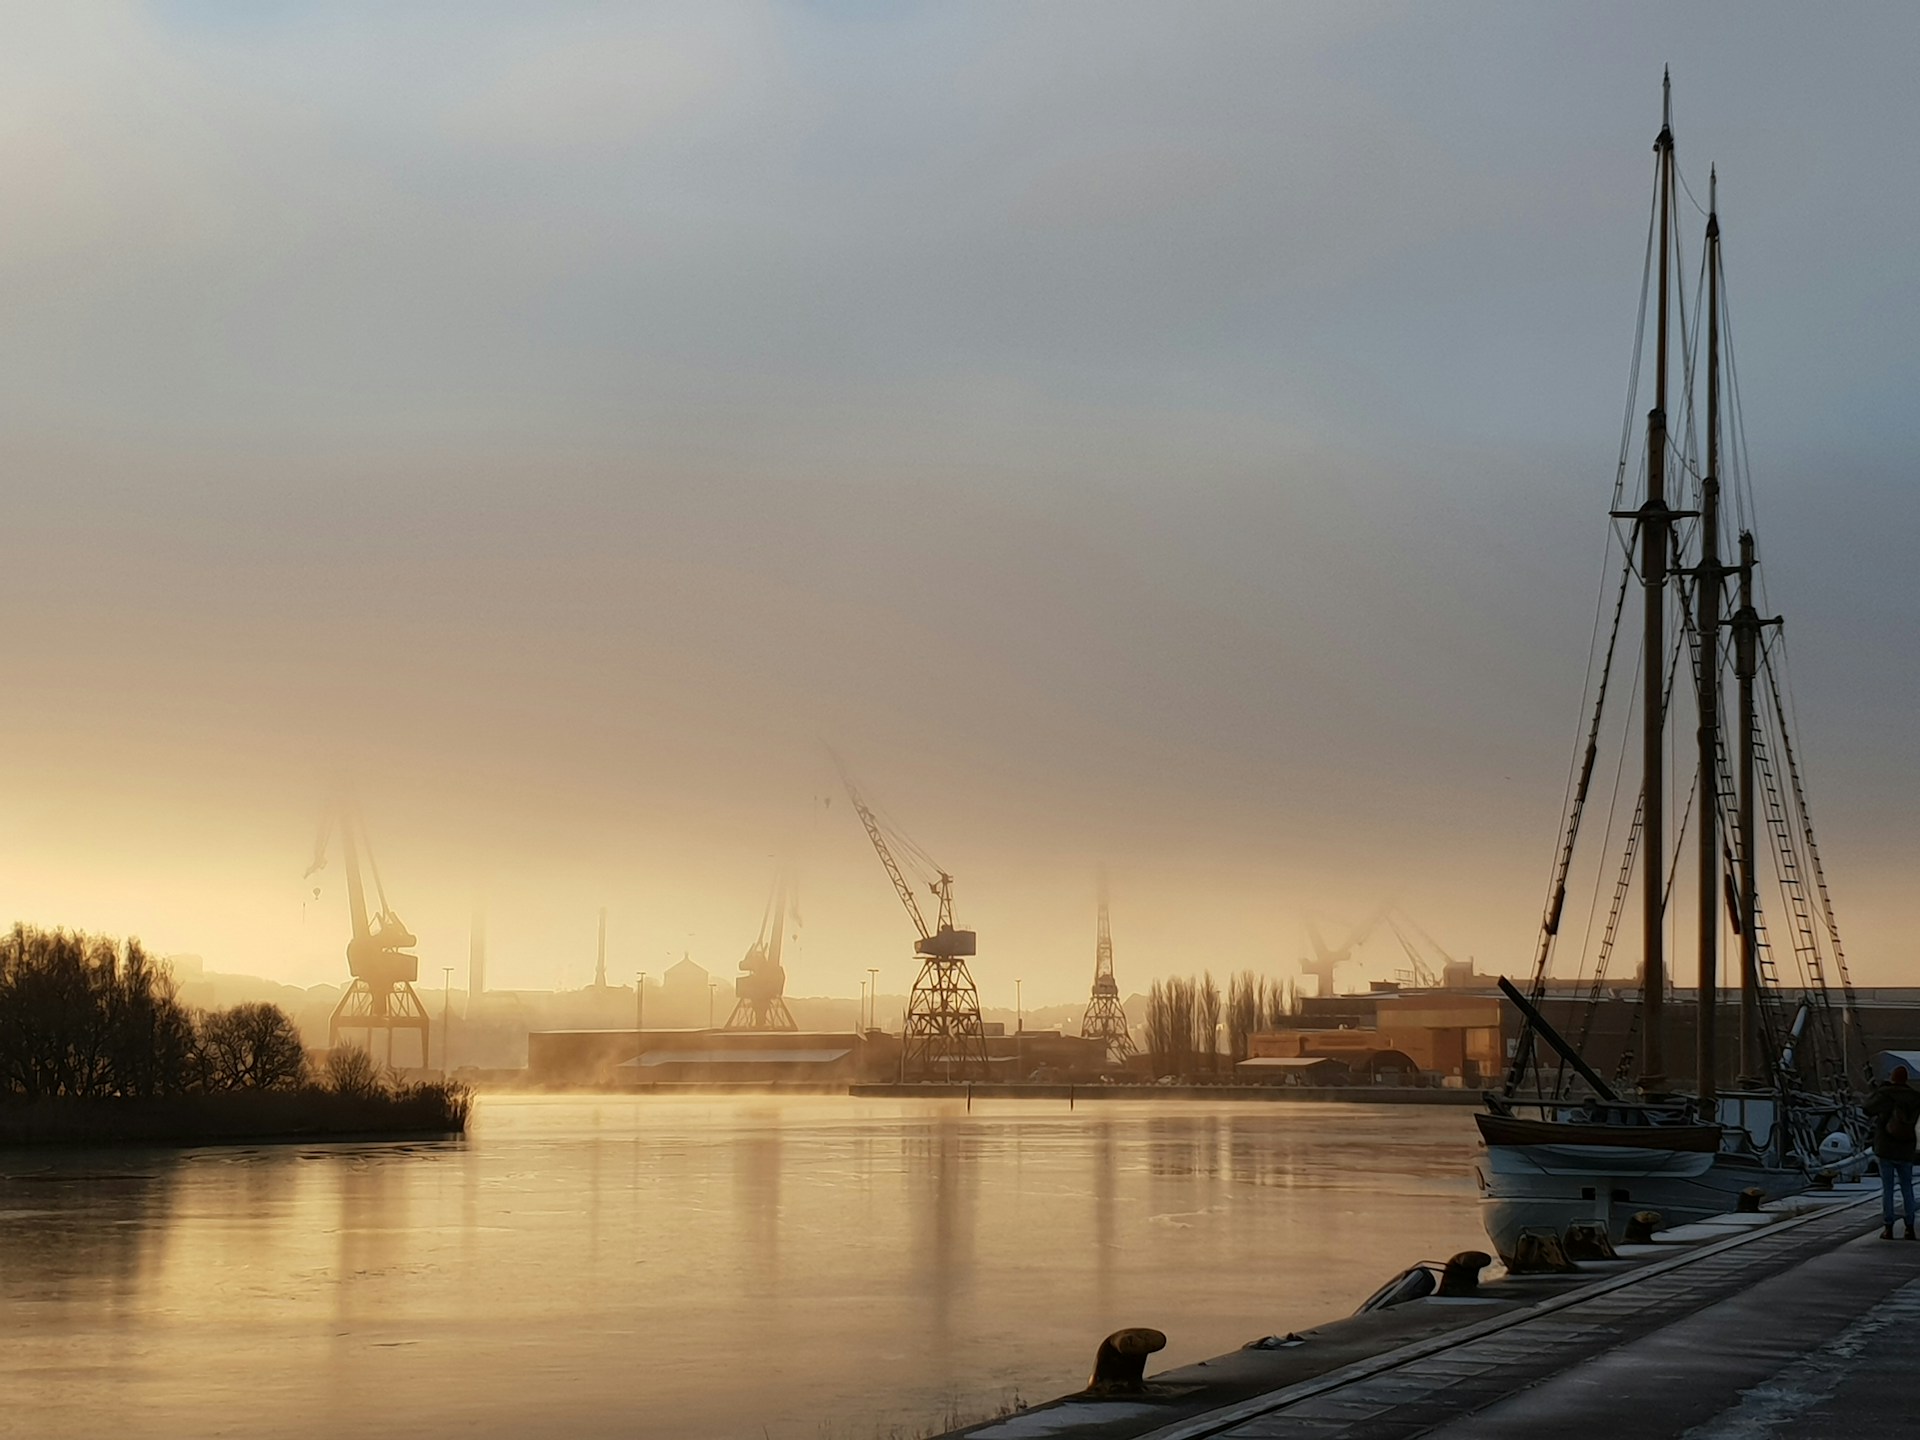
x=351, y=1071
x=251, y=1047
x=1243, y=1012
x=80, y=1016
x=151, y=1032
x=1206, y=1022
x=1278, y=1003
x=1170, y=1026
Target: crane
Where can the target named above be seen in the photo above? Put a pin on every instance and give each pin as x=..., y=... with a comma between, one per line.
x=1326, y=957
x=1106, y=1018
x=761, y=988
x=1419, y=975
x=944, y=1037
x=381, y=994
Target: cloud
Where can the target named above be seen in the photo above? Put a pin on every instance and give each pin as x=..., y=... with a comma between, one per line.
x=1173, y=434
x=603, y=81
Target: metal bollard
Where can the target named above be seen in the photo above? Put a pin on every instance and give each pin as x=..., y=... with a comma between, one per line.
x=1539, y=1252
x=1641, y=1227
x=1589, y=1240
x=1120, y=1364
x=1461, y=1275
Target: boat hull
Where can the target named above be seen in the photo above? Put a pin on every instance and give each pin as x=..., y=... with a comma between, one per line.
x=1548, y=1187
x=1513, y=1130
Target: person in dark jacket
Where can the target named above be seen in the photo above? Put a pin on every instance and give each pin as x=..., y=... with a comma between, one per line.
x=1895, y=1108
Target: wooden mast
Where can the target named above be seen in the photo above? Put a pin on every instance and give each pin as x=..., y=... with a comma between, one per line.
x=1746, y=636
x=1655, y=524
x=1707, y=581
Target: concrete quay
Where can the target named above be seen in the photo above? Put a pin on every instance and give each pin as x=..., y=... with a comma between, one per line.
x=1799, y=1321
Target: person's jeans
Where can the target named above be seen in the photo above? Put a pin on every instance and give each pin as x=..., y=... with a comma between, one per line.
x=1888, y=1169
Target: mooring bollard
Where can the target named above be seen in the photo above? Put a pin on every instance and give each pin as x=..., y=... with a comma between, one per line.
x=1461, y=1275
x=1641, y=1227
x=1589, y=1240
x=1749, y=1201
x=1539, y=1252
x=1120, y=1364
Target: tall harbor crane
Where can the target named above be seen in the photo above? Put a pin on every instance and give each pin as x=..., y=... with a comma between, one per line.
x=944, y=1038
x=1420, y=973
x=1106, y=1017
x=762, y=985
x=381, y=995
x=1327, y=958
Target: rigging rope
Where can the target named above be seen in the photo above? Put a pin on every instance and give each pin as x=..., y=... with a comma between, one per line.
x=1557, y=890
x=1639, y=345
x=1805, y=819
x=1603, y=957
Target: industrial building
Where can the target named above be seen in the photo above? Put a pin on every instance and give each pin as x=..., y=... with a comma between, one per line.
x=1433, y=1035
x=617, y=1059
x=1464, y=1033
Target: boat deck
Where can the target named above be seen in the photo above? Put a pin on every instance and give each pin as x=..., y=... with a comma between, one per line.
x=1787, y=1322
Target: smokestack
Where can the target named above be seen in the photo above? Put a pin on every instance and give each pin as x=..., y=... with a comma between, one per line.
x=477, y=953
x=600, y=965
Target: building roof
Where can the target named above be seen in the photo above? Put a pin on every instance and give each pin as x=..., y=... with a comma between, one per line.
x=1288, y=1062
x=684, y=972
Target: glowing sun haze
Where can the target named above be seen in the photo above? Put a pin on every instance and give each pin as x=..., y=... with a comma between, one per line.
x=1175, y=437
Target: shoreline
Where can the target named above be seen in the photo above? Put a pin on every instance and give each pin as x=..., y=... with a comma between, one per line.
x=1304, y=1094
x=258, y=1117
x=1011, y=1090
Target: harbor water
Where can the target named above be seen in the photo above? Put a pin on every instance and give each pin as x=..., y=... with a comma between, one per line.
x=809, y=1268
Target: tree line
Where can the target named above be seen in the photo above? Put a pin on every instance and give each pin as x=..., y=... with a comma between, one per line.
x=86, y=1018
x=1188, y=1018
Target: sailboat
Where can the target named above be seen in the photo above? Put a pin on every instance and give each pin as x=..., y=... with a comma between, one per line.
x=1561, y=1142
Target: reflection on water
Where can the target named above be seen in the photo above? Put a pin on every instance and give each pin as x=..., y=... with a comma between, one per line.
x=694, y=1267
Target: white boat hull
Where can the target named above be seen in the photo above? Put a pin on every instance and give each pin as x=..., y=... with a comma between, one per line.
x=1549, y=1187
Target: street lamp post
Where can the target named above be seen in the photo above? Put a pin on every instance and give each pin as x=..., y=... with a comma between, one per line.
x=1019, y=1035
x=863, y=1005
x=873, y=998
x=639, y=1024
x=712, y=985
x=446, y=1019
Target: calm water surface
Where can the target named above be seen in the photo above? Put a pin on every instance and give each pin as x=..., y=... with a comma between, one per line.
x=789, y=1269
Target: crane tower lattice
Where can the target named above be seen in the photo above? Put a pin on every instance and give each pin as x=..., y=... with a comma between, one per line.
x=1106, y=1017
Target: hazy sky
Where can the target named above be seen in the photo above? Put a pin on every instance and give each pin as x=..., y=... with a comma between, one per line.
x=1178, y=436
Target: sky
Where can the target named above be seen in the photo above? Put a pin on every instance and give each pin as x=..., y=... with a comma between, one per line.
x=1171, y=437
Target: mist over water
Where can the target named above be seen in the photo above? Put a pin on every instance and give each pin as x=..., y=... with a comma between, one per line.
x=697, y=1268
